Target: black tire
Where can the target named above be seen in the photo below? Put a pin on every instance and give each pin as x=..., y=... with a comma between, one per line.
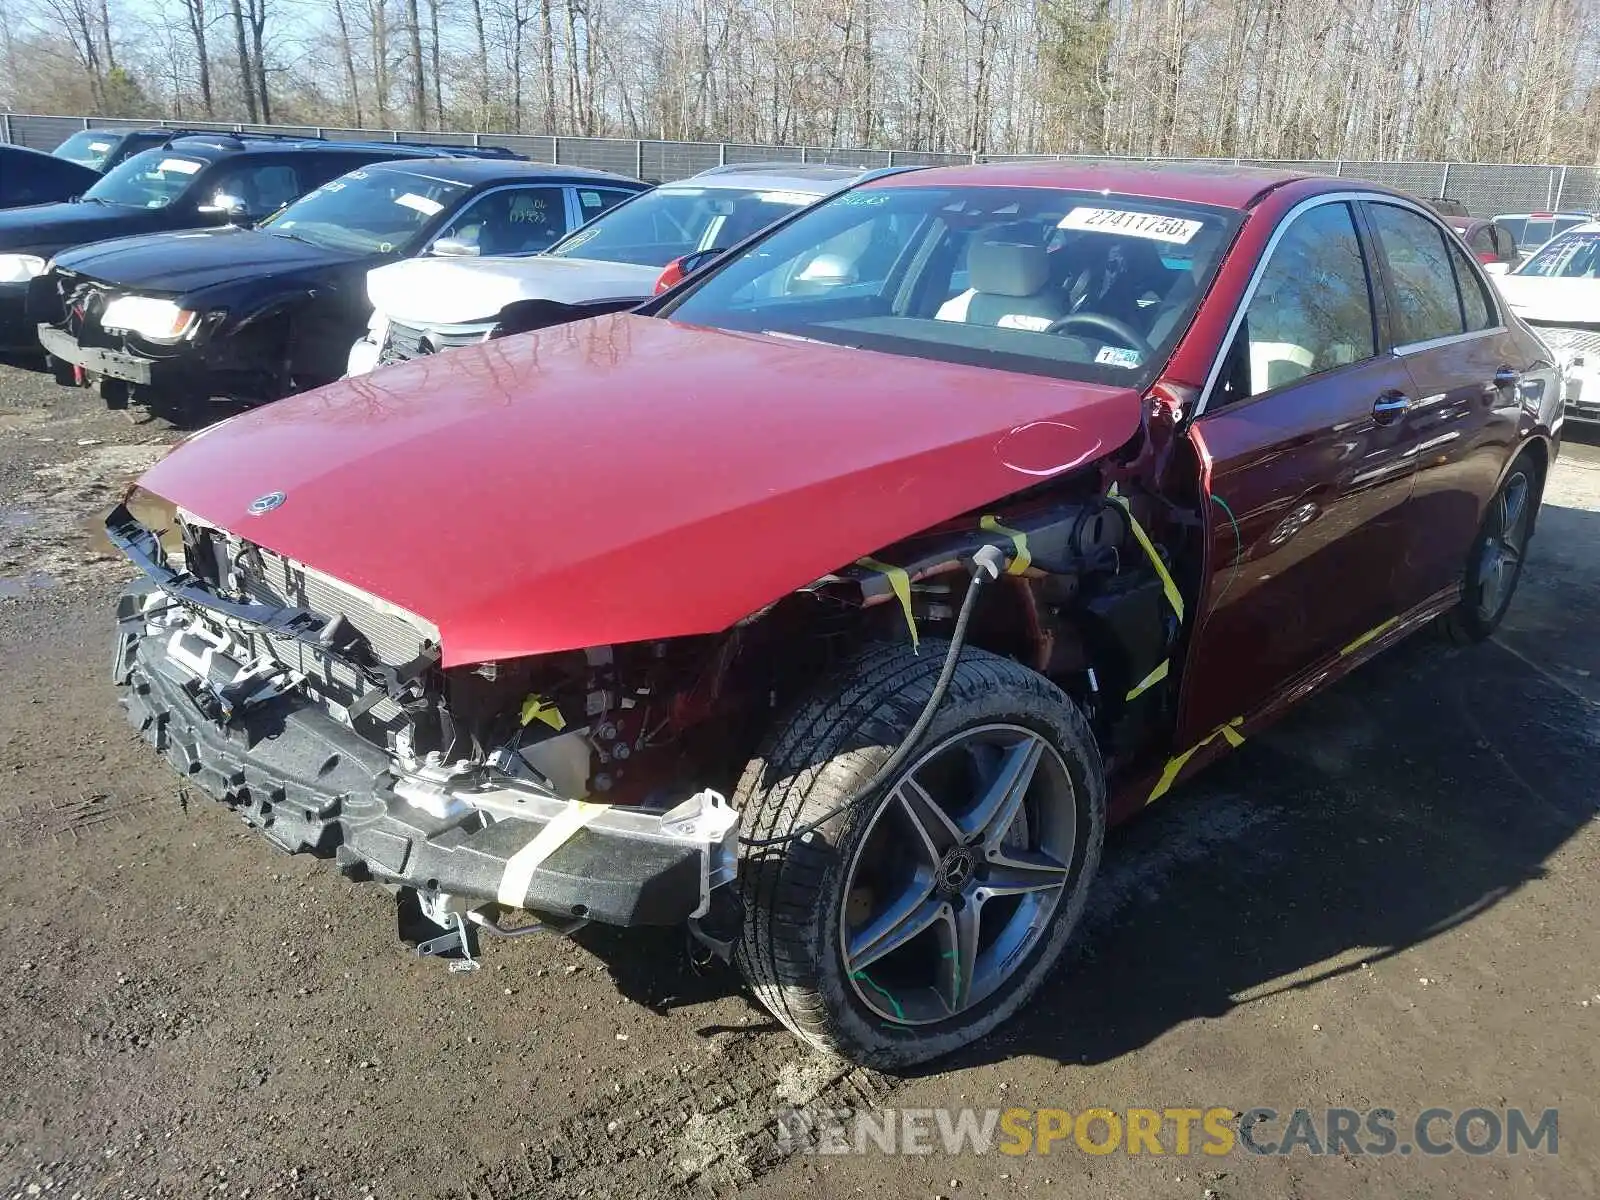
x=61, y=371
x=789, y=949
x=1472, y=620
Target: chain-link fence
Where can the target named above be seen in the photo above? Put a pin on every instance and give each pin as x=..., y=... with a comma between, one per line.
x=1485, y=188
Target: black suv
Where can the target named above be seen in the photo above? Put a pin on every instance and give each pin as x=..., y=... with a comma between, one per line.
x=174, y=321
x=102, y=149
x=197, y=180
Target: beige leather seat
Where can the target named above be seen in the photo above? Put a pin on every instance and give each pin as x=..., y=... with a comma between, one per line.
x=1010, y=287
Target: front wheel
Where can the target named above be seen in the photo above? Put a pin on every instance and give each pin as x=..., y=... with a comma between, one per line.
x=916, y=922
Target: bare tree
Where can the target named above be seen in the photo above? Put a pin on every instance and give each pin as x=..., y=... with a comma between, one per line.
x=1275, y=79
x=419, y=86
x=246, y=73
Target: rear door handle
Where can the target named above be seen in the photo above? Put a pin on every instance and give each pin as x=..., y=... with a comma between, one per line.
x=1390, y=406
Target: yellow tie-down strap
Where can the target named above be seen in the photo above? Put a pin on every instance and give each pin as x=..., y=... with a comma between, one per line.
x=1229, y=732
x=900, y=584
x=1021, y=558
x=514, y=881
x=1174, y=597
x=1370, y=635
x=1150, y=680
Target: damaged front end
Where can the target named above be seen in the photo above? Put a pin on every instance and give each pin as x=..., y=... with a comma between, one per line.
x=321, y=715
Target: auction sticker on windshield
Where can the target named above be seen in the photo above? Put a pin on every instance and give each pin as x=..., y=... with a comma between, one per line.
x=1134, y=224
x=181, y=165
x=423, y=205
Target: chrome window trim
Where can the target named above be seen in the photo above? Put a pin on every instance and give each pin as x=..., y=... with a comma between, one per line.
x=1434, y=343
x=1289, y=218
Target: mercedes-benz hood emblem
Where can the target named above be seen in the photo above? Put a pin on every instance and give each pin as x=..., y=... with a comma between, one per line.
x=265, y=504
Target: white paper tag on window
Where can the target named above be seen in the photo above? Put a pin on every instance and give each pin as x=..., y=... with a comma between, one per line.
x=1117, y=356
x=798, y=199
x=1023, y=321
x=590, y=199
x=181, y=165
x=421, y=204
x=97, y=147
x=1132, y=224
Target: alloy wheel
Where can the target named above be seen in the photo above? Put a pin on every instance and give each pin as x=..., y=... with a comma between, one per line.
x=958, y=874
x=1505, y=539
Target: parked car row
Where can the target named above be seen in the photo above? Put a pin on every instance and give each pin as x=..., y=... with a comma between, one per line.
x=1557, y=291
x=613, y=262
x=248, y=314
x=831, y=602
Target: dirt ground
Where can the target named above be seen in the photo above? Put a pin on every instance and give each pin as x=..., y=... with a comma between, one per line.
x=1388, y=900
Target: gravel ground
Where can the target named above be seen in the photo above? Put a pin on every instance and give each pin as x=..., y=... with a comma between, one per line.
x=1386, y=900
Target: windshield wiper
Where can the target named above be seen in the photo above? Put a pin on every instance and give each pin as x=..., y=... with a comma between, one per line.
x=292, y=236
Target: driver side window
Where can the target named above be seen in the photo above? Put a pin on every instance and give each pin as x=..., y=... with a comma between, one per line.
x=1312, y=310
x=511, y=220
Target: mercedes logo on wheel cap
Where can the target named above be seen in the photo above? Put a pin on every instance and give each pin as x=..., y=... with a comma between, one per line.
x=265, y=504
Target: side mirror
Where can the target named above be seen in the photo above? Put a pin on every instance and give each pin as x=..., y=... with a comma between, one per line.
x=681, y=268
x=230, y=208
x=449, y=247
x=1497, y=268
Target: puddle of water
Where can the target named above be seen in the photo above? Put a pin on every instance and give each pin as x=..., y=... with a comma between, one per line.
x=13, y=587
x=93, y=530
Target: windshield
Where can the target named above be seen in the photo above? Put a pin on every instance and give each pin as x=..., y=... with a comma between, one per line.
x=1570, y=256
x=153, y=179
x=90, y=148
x=373, y=210
x=673, y=221
x=1079, y=285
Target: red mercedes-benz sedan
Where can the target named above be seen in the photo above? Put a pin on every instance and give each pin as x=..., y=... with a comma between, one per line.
x=836, y=601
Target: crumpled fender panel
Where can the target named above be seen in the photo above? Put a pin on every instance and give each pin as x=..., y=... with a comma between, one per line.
x=628, y=478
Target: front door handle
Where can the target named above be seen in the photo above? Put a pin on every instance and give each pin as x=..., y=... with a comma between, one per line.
x=1390, y=406
x=1507, y=378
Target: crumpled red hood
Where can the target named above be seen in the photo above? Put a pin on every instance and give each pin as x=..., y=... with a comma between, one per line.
x=627, y=478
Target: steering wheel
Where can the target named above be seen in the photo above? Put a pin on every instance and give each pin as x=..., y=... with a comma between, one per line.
x=1121, y=330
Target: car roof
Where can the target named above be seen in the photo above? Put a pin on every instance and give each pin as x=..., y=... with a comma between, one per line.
x=1220, y=184
x=208, y=145
x=474, y=171
x=814, y=179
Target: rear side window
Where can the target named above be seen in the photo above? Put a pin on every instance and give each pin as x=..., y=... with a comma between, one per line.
x=1481, y=240
x=594, y=201
x=1536, y=231
x=1312, y=309
x=1427, y=305
x=1476, y=306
